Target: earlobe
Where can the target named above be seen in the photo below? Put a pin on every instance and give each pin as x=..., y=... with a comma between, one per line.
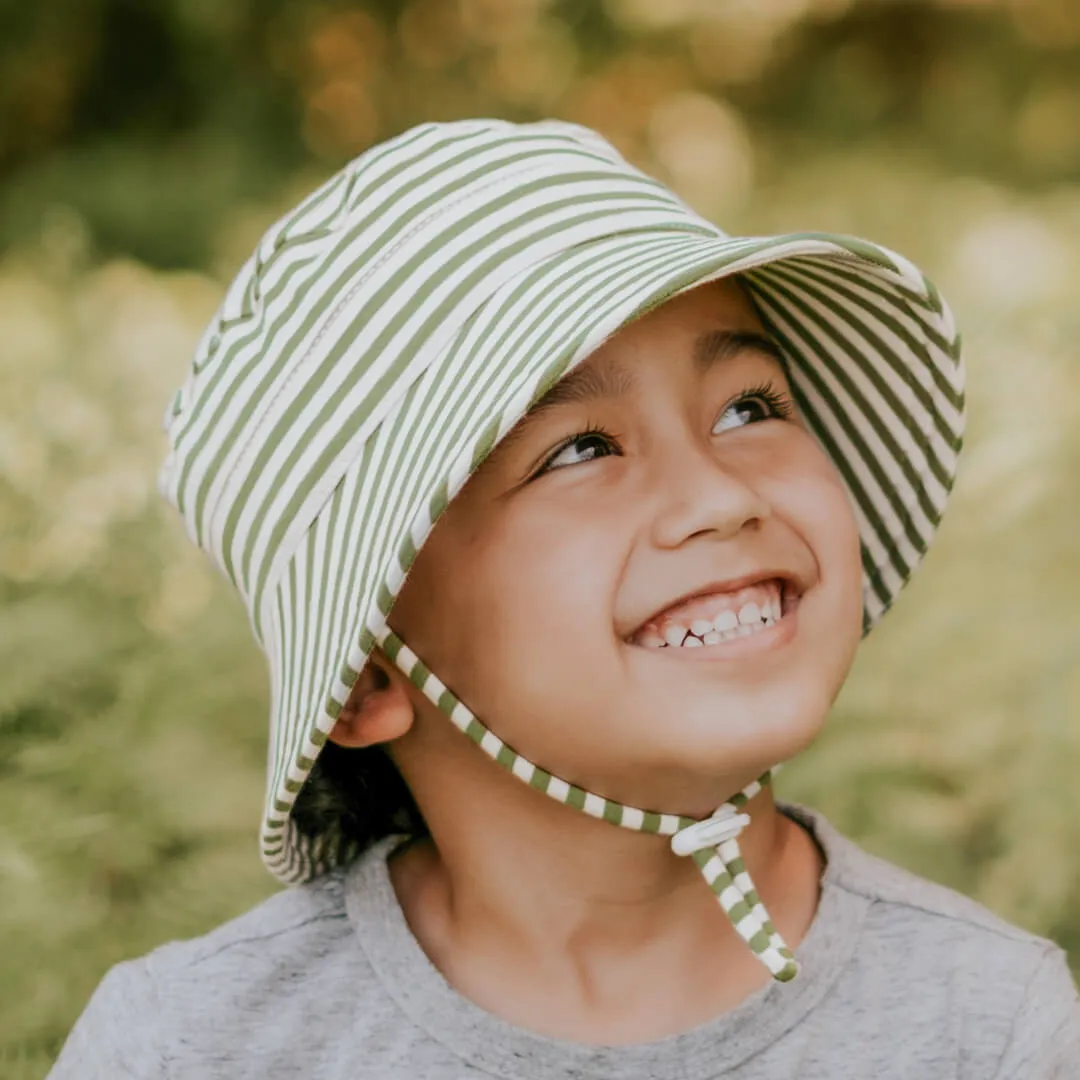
x=378, y=710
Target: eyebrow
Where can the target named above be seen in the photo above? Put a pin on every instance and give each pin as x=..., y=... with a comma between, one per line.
x=606, y=379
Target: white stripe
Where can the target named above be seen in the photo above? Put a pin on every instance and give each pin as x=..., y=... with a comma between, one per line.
x=730, y=896
x=523, y=769
x=461, y=716
x=491, y=743
x=558, y=789
x=713, y=868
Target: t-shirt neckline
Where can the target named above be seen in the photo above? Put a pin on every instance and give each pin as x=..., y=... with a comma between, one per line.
x=493, y=1045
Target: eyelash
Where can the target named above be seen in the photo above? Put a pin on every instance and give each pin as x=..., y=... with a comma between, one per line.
x=778, y=404
x=776, y=398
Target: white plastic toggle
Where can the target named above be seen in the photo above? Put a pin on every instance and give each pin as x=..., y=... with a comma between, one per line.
x=725, y=824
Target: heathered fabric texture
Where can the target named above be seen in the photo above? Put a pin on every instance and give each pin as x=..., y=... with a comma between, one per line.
x=902, y=980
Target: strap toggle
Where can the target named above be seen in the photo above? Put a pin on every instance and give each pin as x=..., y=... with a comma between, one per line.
x=725, y=824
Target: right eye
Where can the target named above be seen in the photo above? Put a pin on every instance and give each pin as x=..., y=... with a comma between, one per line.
x=586, y=446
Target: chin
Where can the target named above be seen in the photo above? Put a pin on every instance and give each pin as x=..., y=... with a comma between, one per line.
x=741, y=738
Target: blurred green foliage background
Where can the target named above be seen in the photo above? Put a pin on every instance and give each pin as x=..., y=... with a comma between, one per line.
x=143, y=149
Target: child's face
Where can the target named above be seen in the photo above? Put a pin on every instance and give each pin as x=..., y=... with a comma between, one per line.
x=648, y=477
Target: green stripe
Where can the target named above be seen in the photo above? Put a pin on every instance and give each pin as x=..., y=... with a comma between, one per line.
x=541, y=780
x=759, y=942
x=419, y=675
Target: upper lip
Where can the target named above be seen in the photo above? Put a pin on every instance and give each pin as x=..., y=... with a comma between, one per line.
x=791, y=581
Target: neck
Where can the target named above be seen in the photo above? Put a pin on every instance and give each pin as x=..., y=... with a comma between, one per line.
x=608, y=921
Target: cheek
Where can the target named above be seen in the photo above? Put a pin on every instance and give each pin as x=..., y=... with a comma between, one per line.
x=547, y=578
x=495, y=610
x=817, y=505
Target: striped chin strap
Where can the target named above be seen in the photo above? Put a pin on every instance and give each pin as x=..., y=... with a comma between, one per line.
x=712, y=843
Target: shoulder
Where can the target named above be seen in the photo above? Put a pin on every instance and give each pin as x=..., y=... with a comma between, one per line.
x=932, y=952
x=254, y=972
x=283, y=930
x=228, y=986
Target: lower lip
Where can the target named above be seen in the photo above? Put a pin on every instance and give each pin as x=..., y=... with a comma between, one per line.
x=775, y=637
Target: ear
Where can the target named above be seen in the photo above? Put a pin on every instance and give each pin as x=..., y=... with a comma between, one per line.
x=378, y=709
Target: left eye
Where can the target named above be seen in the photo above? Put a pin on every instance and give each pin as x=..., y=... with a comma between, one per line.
x=747, y=410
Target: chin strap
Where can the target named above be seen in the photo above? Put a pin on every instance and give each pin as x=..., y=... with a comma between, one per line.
x=712, y=843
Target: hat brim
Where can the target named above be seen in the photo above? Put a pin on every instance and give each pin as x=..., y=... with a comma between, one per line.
x=873, y=359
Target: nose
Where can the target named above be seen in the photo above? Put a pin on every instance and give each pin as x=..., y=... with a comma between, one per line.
x=700, y=494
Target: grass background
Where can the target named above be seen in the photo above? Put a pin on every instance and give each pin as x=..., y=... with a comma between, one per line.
x=143, y=151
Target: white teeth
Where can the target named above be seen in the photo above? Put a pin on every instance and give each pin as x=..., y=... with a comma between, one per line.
x=725, y=626
x=750, y=615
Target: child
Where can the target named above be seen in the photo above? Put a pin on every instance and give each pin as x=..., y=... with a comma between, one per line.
x=493, y=433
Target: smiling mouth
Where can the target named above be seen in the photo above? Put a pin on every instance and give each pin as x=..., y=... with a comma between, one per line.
x=719, y=617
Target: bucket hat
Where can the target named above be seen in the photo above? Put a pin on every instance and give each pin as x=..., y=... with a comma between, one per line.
x=390, y=330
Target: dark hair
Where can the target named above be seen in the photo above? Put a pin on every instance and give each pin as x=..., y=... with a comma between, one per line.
x=354, y=797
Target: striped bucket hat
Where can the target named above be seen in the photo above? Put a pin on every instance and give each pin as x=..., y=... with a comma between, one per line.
x=386, y=334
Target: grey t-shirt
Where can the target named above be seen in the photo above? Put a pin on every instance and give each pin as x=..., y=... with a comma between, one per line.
x=901, y=978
